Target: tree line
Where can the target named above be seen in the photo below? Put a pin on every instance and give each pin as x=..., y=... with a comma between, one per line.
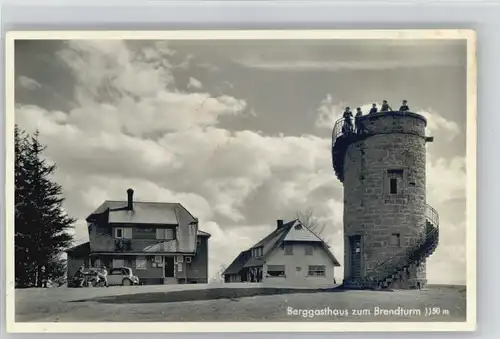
x=41, y=223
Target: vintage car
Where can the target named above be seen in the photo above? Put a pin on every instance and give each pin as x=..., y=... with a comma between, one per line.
x=122, y=276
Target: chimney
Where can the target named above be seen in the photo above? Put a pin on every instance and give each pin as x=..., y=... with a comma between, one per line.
x=130, y=200
x=279, y=223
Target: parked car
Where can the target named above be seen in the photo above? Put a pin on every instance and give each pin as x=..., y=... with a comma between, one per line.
x=122, y=276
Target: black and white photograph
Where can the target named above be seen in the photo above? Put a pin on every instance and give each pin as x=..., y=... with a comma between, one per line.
x=246, y=180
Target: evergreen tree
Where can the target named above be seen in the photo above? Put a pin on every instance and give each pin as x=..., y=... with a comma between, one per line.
x=23, y=267
x=41, y=222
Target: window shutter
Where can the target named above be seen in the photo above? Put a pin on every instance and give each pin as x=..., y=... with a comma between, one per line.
x=160, y=234
x=128, y=233
x=169, y=234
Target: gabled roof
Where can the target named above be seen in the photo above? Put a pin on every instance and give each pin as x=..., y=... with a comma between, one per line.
x=164, y=213
x=292, y=231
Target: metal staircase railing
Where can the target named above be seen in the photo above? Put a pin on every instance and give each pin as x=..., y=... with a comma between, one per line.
x=337, y=130
x=400, y=262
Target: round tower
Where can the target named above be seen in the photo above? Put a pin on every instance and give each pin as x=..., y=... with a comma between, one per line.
x=389, y=230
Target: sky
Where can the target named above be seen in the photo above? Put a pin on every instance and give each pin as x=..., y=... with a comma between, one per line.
x=239, y=132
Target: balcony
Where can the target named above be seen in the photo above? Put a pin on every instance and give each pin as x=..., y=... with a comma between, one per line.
x=124, y=246
x=340, y=142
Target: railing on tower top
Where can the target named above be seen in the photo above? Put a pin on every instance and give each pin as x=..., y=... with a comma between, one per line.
x=337, y=130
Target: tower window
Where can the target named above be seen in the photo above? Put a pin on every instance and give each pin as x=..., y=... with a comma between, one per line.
x=394, y=186
x=395, y=181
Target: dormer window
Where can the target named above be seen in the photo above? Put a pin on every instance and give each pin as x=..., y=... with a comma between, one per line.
x=257, y=252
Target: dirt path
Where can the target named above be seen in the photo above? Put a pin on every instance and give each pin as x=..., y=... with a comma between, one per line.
x=138, y=304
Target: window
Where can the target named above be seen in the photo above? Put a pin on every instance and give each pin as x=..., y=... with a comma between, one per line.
x=188, y=260
x=116, y=271
x=395, y=179
x=394, y=186
x=123, y=233
x=157, y=258
x=395, y=239
x=95, y=263
x=198, y=242
x=179, y=258
x=165, y=234
x=119, y=233
x=316, y=271
x=288, y=249
x=298, y=268
x=141, y=263
x=118, y=263
x=276, y=270
x=309, y=250
x=257, y=252
x=179, y=267
x=298, y=227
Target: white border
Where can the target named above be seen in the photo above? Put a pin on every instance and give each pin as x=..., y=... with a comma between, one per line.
x=468, y=325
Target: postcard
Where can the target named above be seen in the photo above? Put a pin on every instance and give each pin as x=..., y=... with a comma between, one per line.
x=241, y=181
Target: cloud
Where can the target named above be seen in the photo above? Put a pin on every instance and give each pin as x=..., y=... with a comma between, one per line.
x=446, y=179
x=436, y=123
x=28, y=83
x=338, y=55
x=193, y=83
x=115, y=84
x=337, y=65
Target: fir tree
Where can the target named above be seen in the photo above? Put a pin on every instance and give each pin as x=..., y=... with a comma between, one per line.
x=41, y=222
x=23, y=267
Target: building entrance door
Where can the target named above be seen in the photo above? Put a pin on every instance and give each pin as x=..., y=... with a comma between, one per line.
x=169, y=267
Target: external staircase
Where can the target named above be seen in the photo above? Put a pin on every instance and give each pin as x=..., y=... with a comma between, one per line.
x=396, y=268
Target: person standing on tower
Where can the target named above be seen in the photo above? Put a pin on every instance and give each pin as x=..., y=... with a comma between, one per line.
x=347, y=127
x=357, y=120
x=385, y=107
x=373, y=109
x=404, y=107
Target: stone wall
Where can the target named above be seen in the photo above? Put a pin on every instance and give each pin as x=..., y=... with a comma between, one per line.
x=396, y=150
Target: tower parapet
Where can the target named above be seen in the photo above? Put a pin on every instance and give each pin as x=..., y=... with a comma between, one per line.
x=386, y=218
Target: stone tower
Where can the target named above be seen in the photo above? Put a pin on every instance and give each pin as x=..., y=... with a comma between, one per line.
x=389, y=230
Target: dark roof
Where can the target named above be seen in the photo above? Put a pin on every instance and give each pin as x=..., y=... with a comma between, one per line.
x=237, y=263
x=82, y=249
x=269, y=243
x=203, y=234
x=164, y=213
x=275, y=235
